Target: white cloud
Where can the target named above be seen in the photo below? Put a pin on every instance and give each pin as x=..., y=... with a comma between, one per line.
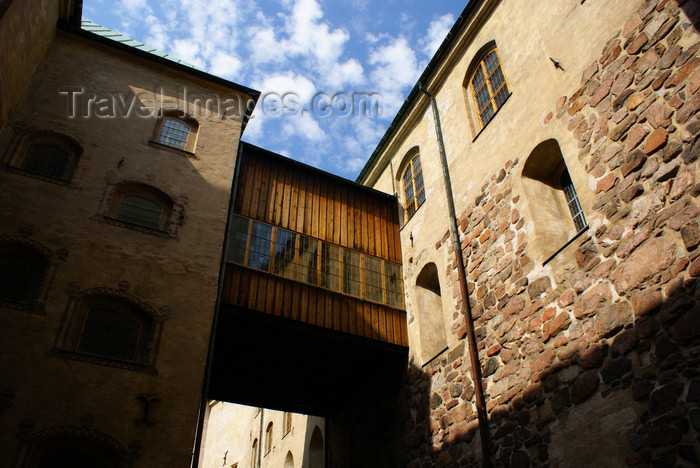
x=288, y=83
x=226, y=65
x=348, y=72
x=437, y=30
x=396, y=68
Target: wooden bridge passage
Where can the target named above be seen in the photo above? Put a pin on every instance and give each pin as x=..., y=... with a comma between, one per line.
x=312, y=288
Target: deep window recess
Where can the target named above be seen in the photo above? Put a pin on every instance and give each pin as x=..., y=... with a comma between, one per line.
x=140, y=205
x=308, y=260
x=489, y=87
x=413, y=187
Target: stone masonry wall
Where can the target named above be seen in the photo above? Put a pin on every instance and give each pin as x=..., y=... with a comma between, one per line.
x=594, y=361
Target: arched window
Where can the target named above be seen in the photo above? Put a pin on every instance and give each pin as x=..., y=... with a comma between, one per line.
x=48, y=154
x=110, y=328
x=430, y=319
x=488, y=85
x=114, y=329
x=254, y=455
x=141, y=205
x=316, y=449
x=176, y=130
x=268, y=439
x=412, y=185
x=22, y=272
x=289, y=461
x=552, y=200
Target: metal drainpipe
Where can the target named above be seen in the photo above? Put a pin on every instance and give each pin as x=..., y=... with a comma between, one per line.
x=260, y=438
x=215, y=319
x=466, y=306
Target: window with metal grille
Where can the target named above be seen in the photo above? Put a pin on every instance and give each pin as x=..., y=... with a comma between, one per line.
x=572, y=201
x=110, y=333
x=413, y=188
x=174, y=133
x=22, y=271
x=135, y=209
x=50, y=161
x=489, y=87
x=374, y=279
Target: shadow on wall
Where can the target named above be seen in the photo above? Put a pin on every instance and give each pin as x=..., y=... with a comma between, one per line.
x=634, y=395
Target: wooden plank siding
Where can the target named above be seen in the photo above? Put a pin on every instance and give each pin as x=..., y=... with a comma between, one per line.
x=285, y=298
x=290, y=195
x=282, y=192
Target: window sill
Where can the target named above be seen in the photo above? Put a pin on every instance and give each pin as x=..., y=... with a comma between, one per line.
x=34, y=175
x=103, y=361
x=135, y=227
x=494, y=116
x=568, y=243
x=189, y=154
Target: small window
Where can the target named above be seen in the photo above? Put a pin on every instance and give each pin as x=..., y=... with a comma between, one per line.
x=260, y=246
x=268, y=439
x=22, y=272
x=46, y=154
x=254, y=457
x=413, y=188
x=572, y=201
x=141, y=205
x=285, y=253
x=488, y=85
x=552, y=201
x=176, y=131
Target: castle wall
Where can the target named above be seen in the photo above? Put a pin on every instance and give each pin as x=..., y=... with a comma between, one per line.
x=588, y=347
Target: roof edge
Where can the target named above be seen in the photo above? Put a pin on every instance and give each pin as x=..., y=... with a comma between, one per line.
x=316, y=170
x=74, y=28
x=442, y=51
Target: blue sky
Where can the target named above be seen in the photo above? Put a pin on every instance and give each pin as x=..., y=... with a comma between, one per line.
x=312, y=49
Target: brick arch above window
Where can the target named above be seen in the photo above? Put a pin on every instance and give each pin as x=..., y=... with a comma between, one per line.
x=110, y=327
x=142, y=207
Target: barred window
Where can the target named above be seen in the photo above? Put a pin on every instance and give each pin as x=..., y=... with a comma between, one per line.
x=572, y=201
x=141, y=205
x=176, y=130
x=413, y=187
x=489, y=86
x=47, y=154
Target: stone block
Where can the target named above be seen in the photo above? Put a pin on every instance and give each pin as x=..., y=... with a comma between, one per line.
x=613, y=317
x=651, y=258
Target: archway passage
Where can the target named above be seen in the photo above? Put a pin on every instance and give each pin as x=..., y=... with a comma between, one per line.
x=316, y=449
x=322, y=371
x=73, y=452
x=289, y=461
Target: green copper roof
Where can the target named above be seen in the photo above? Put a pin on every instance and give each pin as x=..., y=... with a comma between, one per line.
x=94, y=28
